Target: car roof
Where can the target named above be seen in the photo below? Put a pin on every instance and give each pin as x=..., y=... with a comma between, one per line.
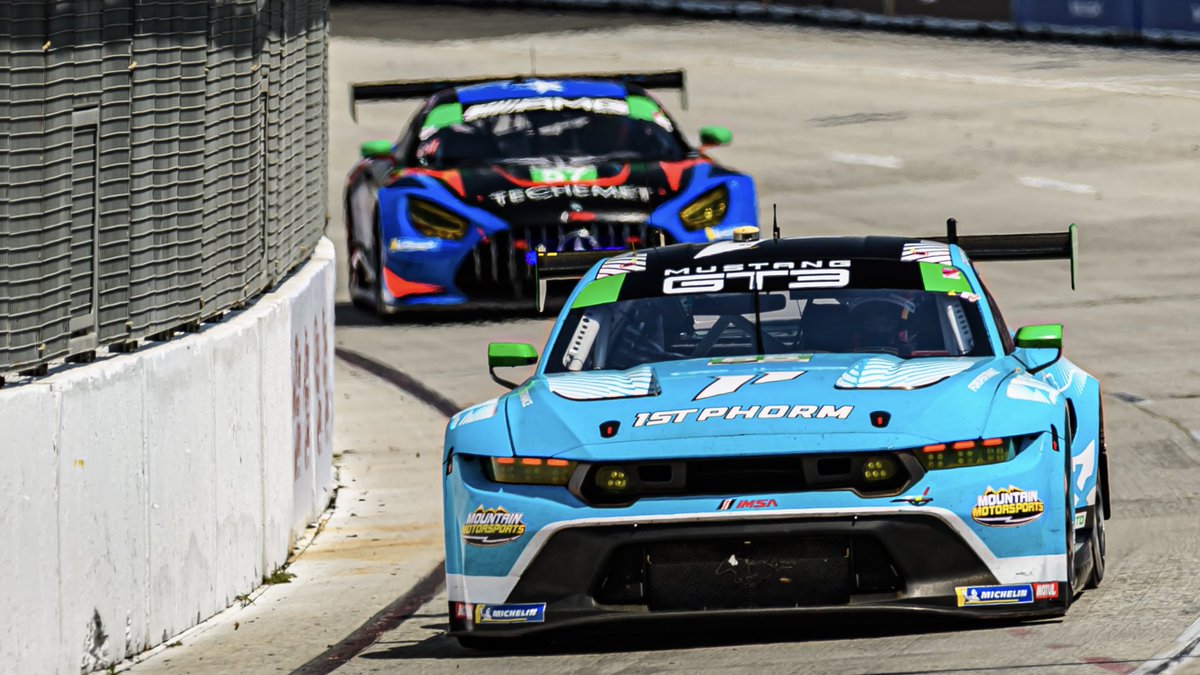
x=515, y=89
x=912, y=249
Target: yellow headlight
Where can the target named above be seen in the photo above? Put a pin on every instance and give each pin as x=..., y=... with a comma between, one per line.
x=433, y=221
x=708, y=210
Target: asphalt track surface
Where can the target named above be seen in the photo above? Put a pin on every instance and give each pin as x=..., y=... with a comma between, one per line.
x=878, y=133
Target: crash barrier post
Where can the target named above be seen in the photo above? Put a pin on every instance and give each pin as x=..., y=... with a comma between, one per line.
x=161, y=162
x=148, y=491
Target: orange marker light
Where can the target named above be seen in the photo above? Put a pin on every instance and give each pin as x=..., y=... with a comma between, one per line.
x=531, y=461
x=963, y=445
x=557, y=462
x=993, y=442
x=506, y=460
x=934, y=448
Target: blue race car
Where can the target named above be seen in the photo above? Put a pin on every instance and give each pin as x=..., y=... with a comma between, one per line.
x=787, y=426
x=491, y=170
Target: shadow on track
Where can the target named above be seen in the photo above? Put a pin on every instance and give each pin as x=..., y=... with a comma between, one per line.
x=698, y=633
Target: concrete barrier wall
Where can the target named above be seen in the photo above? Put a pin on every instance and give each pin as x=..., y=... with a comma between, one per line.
x=145, y=492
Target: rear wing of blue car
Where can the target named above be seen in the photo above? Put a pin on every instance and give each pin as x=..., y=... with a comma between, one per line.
x=396, y=90
x=1032, y=246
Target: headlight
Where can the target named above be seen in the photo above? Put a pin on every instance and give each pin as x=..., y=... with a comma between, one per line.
x=434, y=221
x=529, y=470
x=708, y=210
x=971, y=453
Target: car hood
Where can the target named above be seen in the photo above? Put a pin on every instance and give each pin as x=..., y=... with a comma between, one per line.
x=810, y=403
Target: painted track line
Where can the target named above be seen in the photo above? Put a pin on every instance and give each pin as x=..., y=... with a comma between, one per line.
x=881, y=161
x=1186, y=646
x=1051, y=184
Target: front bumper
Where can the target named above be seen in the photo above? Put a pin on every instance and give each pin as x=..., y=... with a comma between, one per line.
x=881, y=562
x=815, y=551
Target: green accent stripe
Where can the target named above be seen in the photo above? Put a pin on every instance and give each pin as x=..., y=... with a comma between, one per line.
x=444, y=115
x=642, y=108
x=599, y=292
x=931, y=276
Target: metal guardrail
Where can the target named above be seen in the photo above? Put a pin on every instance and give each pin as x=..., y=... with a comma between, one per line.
x=161, y=161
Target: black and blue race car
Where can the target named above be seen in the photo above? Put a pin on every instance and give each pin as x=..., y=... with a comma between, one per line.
x=492, y=170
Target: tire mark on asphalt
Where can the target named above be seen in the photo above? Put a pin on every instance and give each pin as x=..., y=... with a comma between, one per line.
x=386, y=619
x=404, y=607
x=400, y=380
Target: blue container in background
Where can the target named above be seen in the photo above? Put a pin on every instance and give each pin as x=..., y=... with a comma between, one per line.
x=1086, y=17
x=1171, y=20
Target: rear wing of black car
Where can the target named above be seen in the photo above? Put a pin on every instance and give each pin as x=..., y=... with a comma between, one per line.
x=564, y=266
x=396, y=90
x=1032, y=246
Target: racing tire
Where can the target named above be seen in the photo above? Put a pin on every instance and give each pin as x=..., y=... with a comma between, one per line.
x=1097, y=540
x=1069, y=510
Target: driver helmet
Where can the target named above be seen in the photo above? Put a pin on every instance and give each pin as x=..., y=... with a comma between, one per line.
x=883, y=321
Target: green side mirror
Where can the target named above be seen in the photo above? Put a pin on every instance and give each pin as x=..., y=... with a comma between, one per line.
x=715, y=136
x=1049, y=336
x=376, y=149
x=509, y=355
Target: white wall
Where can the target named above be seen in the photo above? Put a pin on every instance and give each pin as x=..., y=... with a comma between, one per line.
x=144, y=492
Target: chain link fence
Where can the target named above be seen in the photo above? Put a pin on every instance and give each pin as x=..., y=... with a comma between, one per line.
x=161, y=161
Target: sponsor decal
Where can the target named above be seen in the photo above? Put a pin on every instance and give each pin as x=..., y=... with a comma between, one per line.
x=755, y=276
x=411, y=245
x=512, y=106
x=760, y=358
x=1025, y=388
x=926, y=251
x=724, y=247
x=919, y=500
x=982, y=379
x=1045, y=591
x=1016, y=594
x=728, y=384
x=887, y=372
x=562, y=174
x=732, y=504
x=1007, y=507
x=622, y=264
x=1080, y=519
x=597, y=386
x=1085, y=462
x=541, y=193
x=753, y=412
x=492, y=527
x=530, y=613
x=969, y=297
x=951, y=273
x=476, y=413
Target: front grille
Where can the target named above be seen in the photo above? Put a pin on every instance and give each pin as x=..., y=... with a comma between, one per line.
x=497, y=267
x=743, y=476
x=746, y=572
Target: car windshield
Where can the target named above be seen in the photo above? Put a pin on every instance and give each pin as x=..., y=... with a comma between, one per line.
x=903, y=323
x=547, y=131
